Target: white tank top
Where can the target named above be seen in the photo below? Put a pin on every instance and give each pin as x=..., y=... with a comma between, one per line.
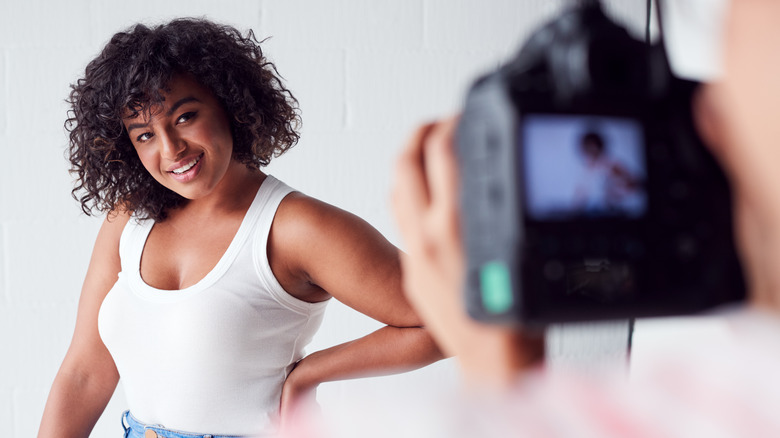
x=210, y=358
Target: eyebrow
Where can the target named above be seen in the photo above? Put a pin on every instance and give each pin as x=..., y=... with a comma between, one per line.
x=170, y=111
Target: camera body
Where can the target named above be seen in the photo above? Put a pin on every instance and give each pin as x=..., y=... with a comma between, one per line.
x=586, y=192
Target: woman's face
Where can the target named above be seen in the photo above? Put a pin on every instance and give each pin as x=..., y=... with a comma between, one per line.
x=592, y=150
x=186, y=144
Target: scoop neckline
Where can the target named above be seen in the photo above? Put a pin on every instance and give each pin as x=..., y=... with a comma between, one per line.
x=144, y=289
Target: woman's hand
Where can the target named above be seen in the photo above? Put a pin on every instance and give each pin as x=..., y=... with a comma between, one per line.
x=297, y=395
x=425, y=201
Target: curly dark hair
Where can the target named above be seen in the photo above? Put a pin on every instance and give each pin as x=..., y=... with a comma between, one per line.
x=129, y=77
x=593, y=138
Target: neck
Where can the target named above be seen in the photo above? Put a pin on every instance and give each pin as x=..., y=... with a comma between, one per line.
x=234, y=193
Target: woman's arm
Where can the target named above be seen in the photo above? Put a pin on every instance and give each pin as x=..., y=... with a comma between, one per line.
x=87, y=378
x=386, y=351
x=316, y=251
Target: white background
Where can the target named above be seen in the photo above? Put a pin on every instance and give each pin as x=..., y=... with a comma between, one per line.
x=365, y=72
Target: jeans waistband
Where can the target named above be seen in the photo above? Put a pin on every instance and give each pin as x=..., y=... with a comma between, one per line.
x=136, y=429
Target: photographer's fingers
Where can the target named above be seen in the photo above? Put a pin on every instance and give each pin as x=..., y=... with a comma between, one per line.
x=410, y=190
x=428, y=282
x=441, y=165
x=737, y=117
x=441, y=169
x=738, y=114
x=426, y=207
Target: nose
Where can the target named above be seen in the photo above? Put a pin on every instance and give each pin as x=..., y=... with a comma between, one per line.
x=171, y=145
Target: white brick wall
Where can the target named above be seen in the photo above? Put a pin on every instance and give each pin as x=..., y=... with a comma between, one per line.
x=365, y=71
x=3, y=93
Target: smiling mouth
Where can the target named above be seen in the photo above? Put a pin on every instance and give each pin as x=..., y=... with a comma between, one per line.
x=185, y=168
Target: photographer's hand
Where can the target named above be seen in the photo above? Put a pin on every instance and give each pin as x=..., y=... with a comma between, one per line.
x=738, y=118
x=425, y=201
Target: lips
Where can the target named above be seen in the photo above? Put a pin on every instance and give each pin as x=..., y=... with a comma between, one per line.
x=187, y=166
x=186, y=169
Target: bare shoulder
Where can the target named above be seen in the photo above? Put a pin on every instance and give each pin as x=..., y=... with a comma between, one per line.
x=341, y=254
x=303, y=222
x=111, y=230
x=116, y=220
x=105, y=262
x=301, y=213
x=303, y=229
x=301, y=225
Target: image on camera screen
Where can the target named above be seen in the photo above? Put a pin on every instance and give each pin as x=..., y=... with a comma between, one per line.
x=580, y=167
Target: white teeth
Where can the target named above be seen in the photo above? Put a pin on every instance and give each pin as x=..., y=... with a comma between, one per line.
x=187, y=166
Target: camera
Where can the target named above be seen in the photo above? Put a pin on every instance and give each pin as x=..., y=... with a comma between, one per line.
x=586, y=192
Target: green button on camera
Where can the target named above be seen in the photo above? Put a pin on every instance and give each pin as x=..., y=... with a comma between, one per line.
x=496, y=287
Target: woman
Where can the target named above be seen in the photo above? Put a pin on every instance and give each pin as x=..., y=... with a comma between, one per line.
x=605, y=186
x=208, y=277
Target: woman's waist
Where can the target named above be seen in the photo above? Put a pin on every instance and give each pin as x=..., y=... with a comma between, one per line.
x=135, y=428
x=239, y=406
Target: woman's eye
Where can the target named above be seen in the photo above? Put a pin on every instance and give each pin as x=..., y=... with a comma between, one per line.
x=144, y=137
x=186, y=116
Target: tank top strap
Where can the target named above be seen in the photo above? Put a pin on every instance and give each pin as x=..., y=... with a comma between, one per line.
x=132, y=241
x=269, y=196
x=274, y=193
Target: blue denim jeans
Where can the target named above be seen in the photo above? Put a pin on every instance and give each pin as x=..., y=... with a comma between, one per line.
x=136, y=429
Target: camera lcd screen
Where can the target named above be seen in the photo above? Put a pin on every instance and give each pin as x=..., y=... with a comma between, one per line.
x=579, y=167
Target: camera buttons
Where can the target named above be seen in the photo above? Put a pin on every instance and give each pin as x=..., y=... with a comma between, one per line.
x=496, y=286
x=554, y=271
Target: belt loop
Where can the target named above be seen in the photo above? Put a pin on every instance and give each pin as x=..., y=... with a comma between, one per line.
x=125, y=424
